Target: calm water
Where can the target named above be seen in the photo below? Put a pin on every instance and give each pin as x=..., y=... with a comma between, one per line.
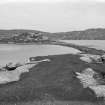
x=20, y=53
x=98, y=44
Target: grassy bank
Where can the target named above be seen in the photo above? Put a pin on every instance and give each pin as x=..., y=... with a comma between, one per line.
x=53, y=81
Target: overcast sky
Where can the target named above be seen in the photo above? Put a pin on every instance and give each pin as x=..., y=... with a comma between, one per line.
x=52, y=15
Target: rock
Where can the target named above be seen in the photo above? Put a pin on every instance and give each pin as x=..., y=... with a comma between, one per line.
x=89, y=58
x=87, y=79
x=14, y=75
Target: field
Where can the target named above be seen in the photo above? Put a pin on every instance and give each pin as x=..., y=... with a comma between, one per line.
x=53, y=83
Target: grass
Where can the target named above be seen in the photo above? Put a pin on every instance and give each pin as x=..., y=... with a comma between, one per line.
x=54, y=103
x=54, y=82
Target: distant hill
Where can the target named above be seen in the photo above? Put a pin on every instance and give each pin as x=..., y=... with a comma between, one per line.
x=22, y=36
x=35, y=35
x=9, y=33
x=89, y=34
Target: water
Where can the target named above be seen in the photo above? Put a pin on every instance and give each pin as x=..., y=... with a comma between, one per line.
x=20, y=53
x=98, y=44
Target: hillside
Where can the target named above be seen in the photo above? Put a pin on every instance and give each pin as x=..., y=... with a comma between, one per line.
x=31, y=36
x=89, y=34
x=9, y=33
x=22, y=36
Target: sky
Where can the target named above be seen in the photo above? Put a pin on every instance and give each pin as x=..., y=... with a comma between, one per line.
x=52, y=15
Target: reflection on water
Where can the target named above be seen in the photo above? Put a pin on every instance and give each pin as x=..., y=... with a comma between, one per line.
x=20, y=53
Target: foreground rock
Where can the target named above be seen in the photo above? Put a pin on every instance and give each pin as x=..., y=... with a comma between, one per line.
x=89, y=58
x=12, y=72
x=14, y=75
x=97, y=85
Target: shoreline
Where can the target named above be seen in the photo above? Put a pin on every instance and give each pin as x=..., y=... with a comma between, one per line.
x=83, y=48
